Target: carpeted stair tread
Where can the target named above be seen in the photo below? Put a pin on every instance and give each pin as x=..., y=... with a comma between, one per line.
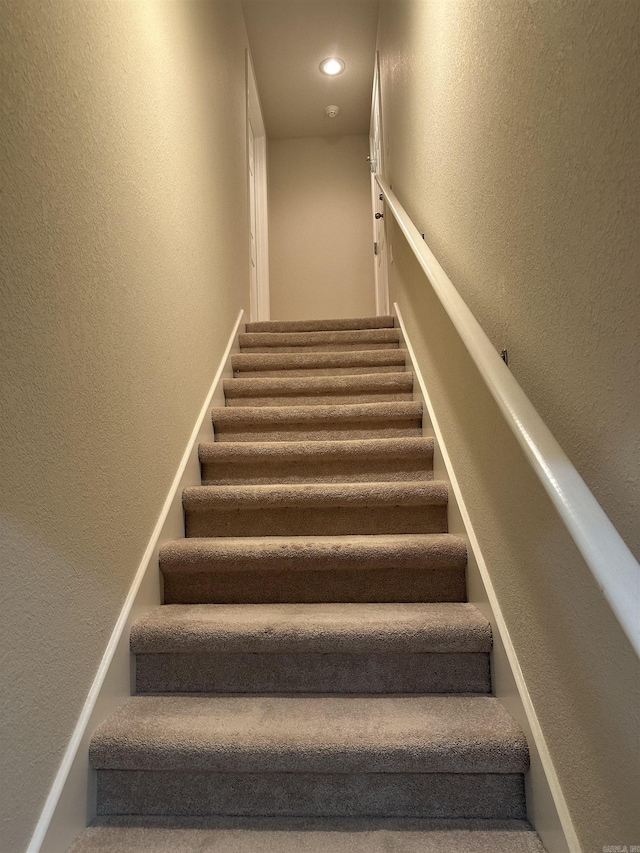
x=307, y=509
x=314, y=569
x=318, y=385
x=349, y=323
x=314, y=648
x=319, y=628
x=319, y=390
x=335, y=495
x=311, y=734
x=355, y=412
x=269, y=553
x=317, y=363
x=139, y=834
x=351, y=460
x=356, y=339
x=294, y=451
x=317, y=423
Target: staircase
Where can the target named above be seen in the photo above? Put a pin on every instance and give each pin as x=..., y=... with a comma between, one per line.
x=315, y=680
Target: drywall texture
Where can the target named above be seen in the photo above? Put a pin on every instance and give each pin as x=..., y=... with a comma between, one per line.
x=582, y=674
x=123, y=235
x=320, y=233
x=511, y=130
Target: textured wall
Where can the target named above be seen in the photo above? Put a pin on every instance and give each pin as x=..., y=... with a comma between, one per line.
x=580, y=670
x=124, y=244
x=512, y=130
x=320, y=232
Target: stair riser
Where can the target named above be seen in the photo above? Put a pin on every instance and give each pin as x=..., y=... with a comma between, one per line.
x=342, y=341
x=308, y=673
x=160, y=834
x=326, y=431
x=309, y=587
x=330, y=362
x=396, y=387
x=325, y=520
x=359, y=470
x=315, y=372
x=450, y=795
x=364, y=346
x=324, y=400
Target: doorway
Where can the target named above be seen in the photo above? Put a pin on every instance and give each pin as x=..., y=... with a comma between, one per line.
x=376, y=160
x=257, y=190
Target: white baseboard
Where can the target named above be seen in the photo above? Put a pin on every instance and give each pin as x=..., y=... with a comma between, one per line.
x=70, y=804
x=546, y=806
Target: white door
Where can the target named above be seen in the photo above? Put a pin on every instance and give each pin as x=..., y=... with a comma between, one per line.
x=258, y=212
x=253, y=254
x=379, y=229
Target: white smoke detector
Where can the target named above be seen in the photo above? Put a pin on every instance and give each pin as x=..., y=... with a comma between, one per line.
x=332, y=110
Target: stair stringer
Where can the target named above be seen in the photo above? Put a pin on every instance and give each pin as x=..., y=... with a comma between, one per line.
x=547, y=810
x=71, y=802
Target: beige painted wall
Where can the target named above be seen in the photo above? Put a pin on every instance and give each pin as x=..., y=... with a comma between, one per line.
x=123, y=236
x=512, y=130
x=320, y=232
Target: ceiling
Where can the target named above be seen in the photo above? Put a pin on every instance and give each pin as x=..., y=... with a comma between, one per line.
x=289, y=39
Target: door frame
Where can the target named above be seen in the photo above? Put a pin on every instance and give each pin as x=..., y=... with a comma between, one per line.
x=377, y=164
x=259, y=308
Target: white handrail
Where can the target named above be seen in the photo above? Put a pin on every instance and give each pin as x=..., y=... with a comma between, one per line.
x=612, y=564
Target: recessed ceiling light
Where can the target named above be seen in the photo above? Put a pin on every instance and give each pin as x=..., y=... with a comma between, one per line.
x=332, y=66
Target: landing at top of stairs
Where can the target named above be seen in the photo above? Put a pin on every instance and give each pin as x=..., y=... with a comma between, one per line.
x=385, y=322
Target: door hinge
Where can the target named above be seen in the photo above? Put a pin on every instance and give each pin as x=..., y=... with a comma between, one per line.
x=375, y=248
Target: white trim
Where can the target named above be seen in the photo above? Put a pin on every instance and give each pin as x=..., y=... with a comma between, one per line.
x=253, y=225
x=262, y=235
x=380, y=262
x=261, y=309
x=56, y=831
x=555, y=790
x=612, y=564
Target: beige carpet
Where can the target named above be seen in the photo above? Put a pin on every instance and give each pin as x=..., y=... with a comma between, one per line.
x=348, y=461
x=318, y=423
x=315, y=680
x=275, y=835
x=318, y=363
